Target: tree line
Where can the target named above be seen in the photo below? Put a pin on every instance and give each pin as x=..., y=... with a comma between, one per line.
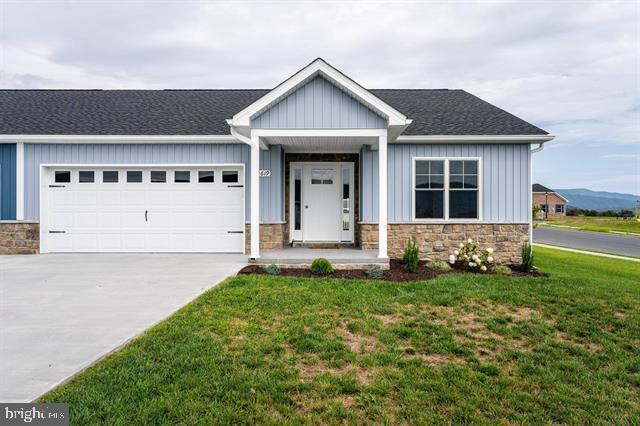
x=574, y=211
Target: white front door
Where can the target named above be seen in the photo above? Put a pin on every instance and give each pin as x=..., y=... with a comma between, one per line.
x=143, y=209
x=321, y=202
x=321, y=209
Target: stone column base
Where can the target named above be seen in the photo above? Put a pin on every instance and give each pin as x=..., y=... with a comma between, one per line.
x=272, y=236
x=19, y=237
x=438, y=241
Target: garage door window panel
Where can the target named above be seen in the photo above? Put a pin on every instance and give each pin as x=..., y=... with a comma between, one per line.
x=206, y=176
x=134, y=176
x=158, y=176
x=229, y=176
x=182, y=176
x=86, y=176
x=63, y=176
x=110, y=176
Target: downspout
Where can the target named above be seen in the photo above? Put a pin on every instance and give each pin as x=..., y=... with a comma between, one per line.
x=533, y=151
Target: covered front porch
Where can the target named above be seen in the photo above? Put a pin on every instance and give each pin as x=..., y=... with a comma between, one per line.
x=318, y=111
x=322, y=191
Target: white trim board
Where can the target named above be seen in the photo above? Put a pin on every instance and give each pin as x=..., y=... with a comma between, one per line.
x=119, y=139
x=440, y=139
x=211, y=139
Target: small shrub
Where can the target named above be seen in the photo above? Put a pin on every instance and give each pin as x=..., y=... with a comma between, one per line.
x=472, y=257
x=374, y=272
x=272, y=269
x=527, y=256
x=535, y=211
x=439, y=265
x=502, y=270
x=411, y=255
x=321, y=266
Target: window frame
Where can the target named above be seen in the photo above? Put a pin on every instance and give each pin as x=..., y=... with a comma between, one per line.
x=446, y=218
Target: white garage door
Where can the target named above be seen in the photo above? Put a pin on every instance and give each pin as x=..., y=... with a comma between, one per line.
x=143, y=209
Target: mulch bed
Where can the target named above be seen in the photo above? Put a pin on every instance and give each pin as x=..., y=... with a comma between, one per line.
x=396, y=272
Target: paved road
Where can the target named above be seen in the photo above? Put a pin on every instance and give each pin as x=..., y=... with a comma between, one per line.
x=610, y=243
x=61, y=312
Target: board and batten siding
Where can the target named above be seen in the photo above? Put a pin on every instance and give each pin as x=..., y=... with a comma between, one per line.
x=7, y=181
x=505, y=179
x=318, y=104
x=270, y=187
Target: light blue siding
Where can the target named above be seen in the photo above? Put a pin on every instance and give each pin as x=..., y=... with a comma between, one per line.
x=505, y=179
x=8, y=181
x=270, y=188
x=318, y=104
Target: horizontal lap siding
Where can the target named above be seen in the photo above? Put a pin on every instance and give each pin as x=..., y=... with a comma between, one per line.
x=318, y=104
x=37, y=154
x=505, y=179
x=8, y=181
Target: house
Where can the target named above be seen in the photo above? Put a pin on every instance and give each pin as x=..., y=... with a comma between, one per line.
x=550, y=202
x=318, y=161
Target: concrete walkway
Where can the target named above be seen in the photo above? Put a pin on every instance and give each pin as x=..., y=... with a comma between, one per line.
x=59, y=313
x=624, y=245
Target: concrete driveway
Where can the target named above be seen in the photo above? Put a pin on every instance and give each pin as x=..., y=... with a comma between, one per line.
x=59, y=313
x=625, y=245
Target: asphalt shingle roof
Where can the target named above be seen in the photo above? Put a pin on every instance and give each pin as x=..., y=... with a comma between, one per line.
x=536, y=187
x=203, y=112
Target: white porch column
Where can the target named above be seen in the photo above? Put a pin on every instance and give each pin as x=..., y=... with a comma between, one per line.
x=382, y=212
x=255, y=196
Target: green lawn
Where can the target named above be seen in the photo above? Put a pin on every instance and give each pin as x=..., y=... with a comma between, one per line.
x=597, y=224
x=457, y=349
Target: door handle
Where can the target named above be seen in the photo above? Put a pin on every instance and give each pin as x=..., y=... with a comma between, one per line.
x=306, y=206
x=146, y=215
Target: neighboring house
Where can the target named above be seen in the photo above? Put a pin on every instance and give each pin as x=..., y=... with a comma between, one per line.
x=550, y=202
x=317, y=160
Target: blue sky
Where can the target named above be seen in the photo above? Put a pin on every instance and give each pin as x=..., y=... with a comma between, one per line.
x=572, y=68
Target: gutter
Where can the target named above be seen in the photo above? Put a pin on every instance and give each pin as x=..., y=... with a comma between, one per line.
x=474, y=138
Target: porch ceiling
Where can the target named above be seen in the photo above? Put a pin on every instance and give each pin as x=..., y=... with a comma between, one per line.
x=322, y=143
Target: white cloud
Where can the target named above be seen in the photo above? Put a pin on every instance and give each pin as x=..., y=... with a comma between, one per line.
x=569, y=67
x=622, y=156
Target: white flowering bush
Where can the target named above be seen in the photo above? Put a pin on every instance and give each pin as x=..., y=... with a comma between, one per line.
x=471, y=256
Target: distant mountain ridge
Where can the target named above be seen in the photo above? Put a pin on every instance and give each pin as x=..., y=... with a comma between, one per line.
x=583, y=198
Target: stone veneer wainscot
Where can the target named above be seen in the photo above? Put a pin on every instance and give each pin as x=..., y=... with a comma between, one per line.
x=19, y=237
x=272, y=236
x=437, y=241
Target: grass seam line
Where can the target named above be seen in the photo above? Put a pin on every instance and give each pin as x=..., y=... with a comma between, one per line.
x=592, y=253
